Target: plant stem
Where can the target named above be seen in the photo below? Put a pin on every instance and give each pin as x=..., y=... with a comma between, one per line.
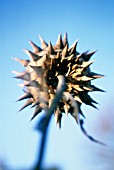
x=44, y=123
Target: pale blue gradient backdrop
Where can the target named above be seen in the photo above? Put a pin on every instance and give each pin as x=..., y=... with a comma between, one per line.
x=92, y=22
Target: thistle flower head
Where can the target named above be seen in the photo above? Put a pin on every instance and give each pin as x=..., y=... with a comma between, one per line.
x=40, y=78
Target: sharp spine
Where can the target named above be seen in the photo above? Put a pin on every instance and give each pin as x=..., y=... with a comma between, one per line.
x=32, y=55
x=36, y=49
x=37, y=110
x=28, y=102
x=25, y=96
x=43, y=43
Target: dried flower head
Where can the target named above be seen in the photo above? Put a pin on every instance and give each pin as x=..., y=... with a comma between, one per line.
x=40, y=78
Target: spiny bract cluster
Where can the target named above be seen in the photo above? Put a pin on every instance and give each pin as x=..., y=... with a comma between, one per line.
x=40, y=77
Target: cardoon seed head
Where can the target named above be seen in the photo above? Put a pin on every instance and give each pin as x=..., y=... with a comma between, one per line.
x=40, y=78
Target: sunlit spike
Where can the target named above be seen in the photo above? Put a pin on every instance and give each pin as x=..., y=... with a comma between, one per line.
x=69, y=68
x=32, y=55
x=23, y=62
x=96, y=88
x=37, y=110
x=25, y=76
x=58, y=55
x=87, y=64
x=95, y=75
x=59, y=42
x=87, y=56
x=35, y=103
x=66, y=108
x=53, y=56
x=74, y=66
x=33, y=83
x=76, y=71
x=77, y=98
x=84, y=78
x=51, y=49
x=74, y=74
x=56, y=113
x=70, y=57
x=43, y=43
x=69, y=64
x=73, y=47
x=36, y=49
x=39, y=70
x=77, y=87
x=25, y=96
x=43, y=52
x=87, y=88
x=65, y=39
x=28, y=102
x=65, y=50
x=73, y=71
x=62, y=58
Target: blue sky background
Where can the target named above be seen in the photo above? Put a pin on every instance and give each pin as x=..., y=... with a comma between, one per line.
x=92, y=22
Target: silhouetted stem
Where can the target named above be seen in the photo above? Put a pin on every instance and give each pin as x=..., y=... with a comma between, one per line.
x=44, y=123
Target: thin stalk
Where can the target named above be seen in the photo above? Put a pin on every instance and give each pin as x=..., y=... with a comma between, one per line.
x=44, y=123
